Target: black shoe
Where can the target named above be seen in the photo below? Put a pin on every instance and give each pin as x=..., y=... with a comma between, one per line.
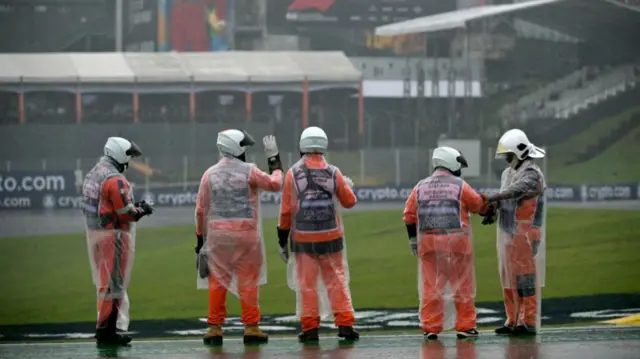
x=112, y=340
x=309, y=336
x=467, y=334
x=430, y=336
x=504, y=330
x=525, y=330
x=347, y=333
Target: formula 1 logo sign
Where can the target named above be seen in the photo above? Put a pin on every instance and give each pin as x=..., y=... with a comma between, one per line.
x=320, y=5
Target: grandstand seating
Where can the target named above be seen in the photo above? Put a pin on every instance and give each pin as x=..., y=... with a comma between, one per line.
x=574, y=93
x=550, y=131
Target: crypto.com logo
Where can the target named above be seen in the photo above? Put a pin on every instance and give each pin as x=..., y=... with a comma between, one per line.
x=320, y=5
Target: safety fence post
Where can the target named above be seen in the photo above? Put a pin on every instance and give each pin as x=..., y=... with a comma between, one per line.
x=362, y=169
x=397, y=151
x=185, y=172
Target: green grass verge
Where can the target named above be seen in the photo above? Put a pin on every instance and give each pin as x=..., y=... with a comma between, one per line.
x=574, y=145
x=617, y=164
x=47, y=279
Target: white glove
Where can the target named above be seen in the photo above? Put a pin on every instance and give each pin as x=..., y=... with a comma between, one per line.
x=270, y=146
x=413, y=244
x=349, y=181
x=284, y=253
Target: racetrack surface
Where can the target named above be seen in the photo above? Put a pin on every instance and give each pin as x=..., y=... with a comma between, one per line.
x=567, y=343
x=30, y=223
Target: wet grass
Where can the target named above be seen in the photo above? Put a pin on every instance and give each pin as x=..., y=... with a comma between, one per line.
x=47, y=279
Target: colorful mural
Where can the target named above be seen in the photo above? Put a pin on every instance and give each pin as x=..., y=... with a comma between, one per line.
x=195, y=25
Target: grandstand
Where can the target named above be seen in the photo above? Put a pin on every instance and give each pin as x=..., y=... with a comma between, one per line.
x=560, y=80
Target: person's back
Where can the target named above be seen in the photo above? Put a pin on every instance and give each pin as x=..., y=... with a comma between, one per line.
x=443, y=203
x=309, y=214
x=316, y=189
x=436, y=215
x=230, y=246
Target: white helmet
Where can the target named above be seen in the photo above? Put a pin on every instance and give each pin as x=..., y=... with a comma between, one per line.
x=515, y=141
x=313, y=140
x=121, y=150
x=449, y=158
x=234, y=142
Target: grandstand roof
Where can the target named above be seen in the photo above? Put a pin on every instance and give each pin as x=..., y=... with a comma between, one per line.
x=236, y=67
x=454, y=19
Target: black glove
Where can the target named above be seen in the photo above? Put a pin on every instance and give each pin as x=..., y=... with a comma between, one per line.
x=144, y=207
x=283, y=241
x=200, y=243
x=490, y=216
x=274, y=163
x=534, y=247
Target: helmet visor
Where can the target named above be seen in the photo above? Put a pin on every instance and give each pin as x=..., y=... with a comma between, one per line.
x=134, y=150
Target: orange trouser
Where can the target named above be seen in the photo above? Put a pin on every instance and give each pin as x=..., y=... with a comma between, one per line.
x=245, y=265
x=438, y=269
x=520, y=299
x=111, y=256
x=331, y=269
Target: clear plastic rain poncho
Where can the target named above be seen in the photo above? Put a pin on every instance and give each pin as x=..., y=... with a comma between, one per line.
x=521, y=243
x=111, y=251
x=446, y=274
x=317, y=270
x=233, y=246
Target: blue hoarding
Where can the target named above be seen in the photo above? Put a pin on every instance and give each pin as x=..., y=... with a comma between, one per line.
x=58, y=190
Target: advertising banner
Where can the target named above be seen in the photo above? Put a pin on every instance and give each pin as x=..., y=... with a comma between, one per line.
x=37, y=190
x=186, y=25
x=351, y=13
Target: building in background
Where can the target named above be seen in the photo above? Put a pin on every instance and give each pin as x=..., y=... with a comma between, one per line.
x=195, y=25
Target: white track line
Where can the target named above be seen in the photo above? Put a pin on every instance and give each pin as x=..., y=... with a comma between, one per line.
x=364, y=335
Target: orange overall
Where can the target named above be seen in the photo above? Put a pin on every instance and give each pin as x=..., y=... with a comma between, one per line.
x=109, y=212
x=519, y=265
x=440, y=206
x=236, y=241
x=318, y=249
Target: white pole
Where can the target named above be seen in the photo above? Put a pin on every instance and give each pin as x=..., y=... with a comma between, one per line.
x=362, y=166
x=397, y=167
x=8, y=166
x=489, y=165
x=326, y=157
x=185, y=171
x=146, y=176
x=44, y=164
x=289, y=159
x=544, y=163
x=78, y=163
x=118, y=27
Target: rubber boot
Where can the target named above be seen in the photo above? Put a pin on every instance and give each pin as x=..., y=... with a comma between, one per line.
x=253, y=335
x=310, y=336
x=213, y=336
x=107, y=334
x=347, y=333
